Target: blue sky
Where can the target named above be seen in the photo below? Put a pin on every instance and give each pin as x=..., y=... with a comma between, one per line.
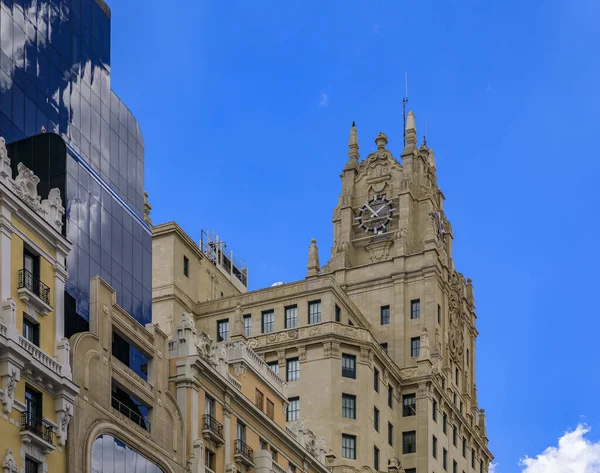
x=246, y=107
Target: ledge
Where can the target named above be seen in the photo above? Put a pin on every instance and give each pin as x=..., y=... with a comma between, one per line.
x=30, y=298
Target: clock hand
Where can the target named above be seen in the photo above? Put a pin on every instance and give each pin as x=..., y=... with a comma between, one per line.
x=376, y=214
x=372, y=211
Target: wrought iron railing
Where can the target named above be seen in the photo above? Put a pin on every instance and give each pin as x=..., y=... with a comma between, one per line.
x=242, y=449
x=210, y=423
x=131, y=414
x=29, y=281
x=38, y=426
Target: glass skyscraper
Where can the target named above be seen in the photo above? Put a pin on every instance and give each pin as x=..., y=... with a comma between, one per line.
x=61, y=119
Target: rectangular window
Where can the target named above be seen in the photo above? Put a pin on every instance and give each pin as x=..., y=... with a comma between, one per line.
x=384, y=346
x=274, y=366
x=410, y=470
x=30, y=466
x=445, y=459
x=209, y=459
x=390, y=397
x=385, y=315
x=473, y=458
x=348, y=366
x=222, y=330
x=409, y=442
x=349, y=446
x=240, y=432
x=415, y=346
x=348, y=406
x=480, y=466
x=270, y=409
x=186, y=267
x=376, y=458
x=434, y=446
x=376, y=380
x=434, y=410
x=444, y=422
x=454, y=436
x=259, y=399
x=268, y=321
x=247, y=325
x=439, y=314
x=31, y=330
x=263, y=445
x=314, y=312
x=293, y=409
x=390, y=434
x=209, y=406
x=456, y=375
x=415, y=309
x=376, y=419
x=464, y=447
x=274, y=455
x=291, y=316
x=292, y=370
x=468, y=356
x=338, y=314
x=454, y=466
x=33, y=409
x=409, y=405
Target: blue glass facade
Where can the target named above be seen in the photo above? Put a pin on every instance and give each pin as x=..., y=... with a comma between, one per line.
x=110, y=455
x=55, y=76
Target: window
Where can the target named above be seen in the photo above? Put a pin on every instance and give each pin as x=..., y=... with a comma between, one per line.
x=270, y=409
x=259, y=399
x=464, y=447
x=314, y=312
x=274, y=455
x=454, y=466
x=444, y=422
x=274, y=366
x=31, y=264
x=456, y=376
x=293, y=409
x=209, y=406
x=480, y=466
x=410, y=470
x=292, y=371
x=473, y=458
x=350, y=322
x=454, y=436
x=439, y=314
x=210, y=459
x=33, y=409
x=445, y=459
x=376, y=458
x=468, y=356
x=186, y=267
x=434, y=446
x=338, y=314
x=454, y=394
x=348, y=366
x=240, y=432
x=434, y=410
x=31, y=331
x=348, y=406
x=409, y=442
x=390, y=397
x=268, y=321
x=385, y=315
x=384, y=346
x=409, y=405
x=390, y=434
x=292, y=468
x=443, y=382
x=31, y=466
x=415, y=346
x=291, y=317
x=222, y=330
x=415, y=309
x=247, y=325
x=461, y=406
x=349, y=446
x=376, y=419
x=376, y=380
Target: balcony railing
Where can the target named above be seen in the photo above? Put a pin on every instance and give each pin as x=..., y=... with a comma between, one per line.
x=130, y=413
x=32, y=283
x=241, y=448
x=211, y=424
x=37, y=426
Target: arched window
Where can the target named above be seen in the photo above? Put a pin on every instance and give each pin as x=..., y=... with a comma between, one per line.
x=110, y=455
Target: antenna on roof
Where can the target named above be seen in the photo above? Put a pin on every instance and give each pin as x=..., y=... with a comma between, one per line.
x=404, y=102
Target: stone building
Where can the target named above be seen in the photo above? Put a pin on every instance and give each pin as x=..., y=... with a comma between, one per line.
x=36, y=390
x=378, y=346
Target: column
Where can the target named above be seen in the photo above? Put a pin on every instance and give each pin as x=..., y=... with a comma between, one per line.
x=227, y=429
x=6, y=231
x=60, y=278
x=194, y=415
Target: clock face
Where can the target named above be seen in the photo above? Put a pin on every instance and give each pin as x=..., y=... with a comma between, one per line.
x=375, y=215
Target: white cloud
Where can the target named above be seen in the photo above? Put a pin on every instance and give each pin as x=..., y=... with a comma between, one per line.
x=574, y=454
x=324, y=100
x=492, y=468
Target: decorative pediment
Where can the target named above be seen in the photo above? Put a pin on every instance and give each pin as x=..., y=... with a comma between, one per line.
x=25, y=186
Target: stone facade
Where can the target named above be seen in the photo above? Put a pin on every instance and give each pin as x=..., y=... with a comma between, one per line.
x=390, y=302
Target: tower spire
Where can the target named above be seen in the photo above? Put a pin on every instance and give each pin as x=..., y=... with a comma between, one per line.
x=411, y=130
x=353, y=154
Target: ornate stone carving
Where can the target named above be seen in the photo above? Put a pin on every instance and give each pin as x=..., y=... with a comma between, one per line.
x=326, y=349
x=25, y=186
x=8, y=462
x=9, y=390
x=53, y=209
x=282, y=336
x=5, y=169
x=313, y=259
x=302, y=353
x=205, y=349
x=239, y=370
x=335, y=350
x=395, y=466
x=63, y=418
x=364, y=354
x=379, y=251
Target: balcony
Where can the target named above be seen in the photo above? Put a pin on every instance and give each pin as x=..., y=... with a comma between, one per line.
x=243, y=454
x=212, y=430
x=34, y=292
x=130, y=414
x=37, y=431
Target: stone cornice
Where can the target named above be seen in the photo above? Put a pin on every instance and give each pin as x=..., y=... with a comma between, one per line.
x=165, y=229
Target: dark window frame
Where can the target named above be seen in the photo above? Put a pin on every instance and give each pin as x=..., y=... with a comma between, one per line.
x=314, y=317
x=415, y=347
x=415, y=309
x=384, y=314
x=375, y=458
x=290, y=322
x=390, y=397
x=186, y=266
x=220, y=337
x=376, y=418
x=409, y=442
x=338, y=313
x=409, y=405
x=296, y=372
x=267, y=326
x=390, y=434
x=347, y=371
x=348, y=406
x=31, y=330
x=434, y=446
x=351, y=449
x=376, y=380
x=248, y=326
x=293, y=414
